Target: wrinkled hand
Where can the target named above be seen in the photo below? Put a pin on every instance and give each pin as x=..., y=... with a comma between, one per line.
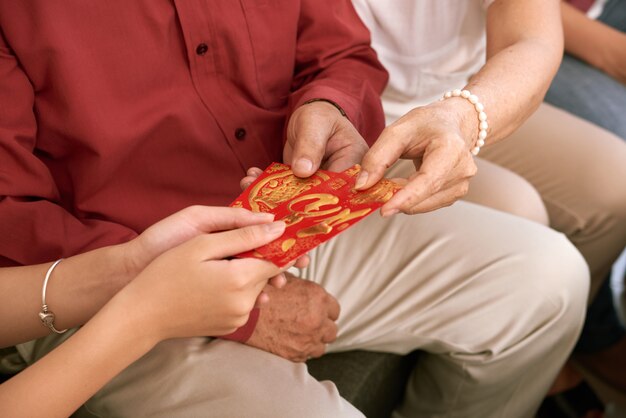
x=434, y=137
x=298, y=321
x=319, y=136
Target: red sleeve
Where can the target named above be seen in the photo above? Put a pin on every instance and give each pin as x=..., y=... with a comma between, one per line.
x=244, y=333
x=334, y=61
x=33, y=225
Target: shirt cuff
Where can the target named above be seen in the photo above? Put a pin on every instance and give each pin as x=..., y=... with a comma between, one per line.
x=244, y=333
x=347, y=104
x=343, y=113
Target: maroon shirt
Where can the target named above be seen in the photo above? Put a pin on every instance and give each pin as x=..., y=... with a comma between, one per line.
x=115, y=114
x=583, y=5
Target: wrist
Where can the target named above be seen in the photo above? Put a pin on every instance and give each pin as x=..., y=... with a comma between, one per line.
x=102, y=272
x=327, y=103
x=128, y=314
x=126, y=321
x=81, y=285
x=481, y=115
x=461, y=114
x=124, y=264
x=130, y=262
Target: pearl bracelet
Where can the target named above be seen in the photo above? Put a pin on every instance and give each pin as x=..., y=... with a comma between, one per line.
x=480, y=110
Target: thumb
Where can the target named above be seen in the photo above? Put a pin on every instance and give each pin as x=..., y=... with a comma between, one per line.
x=384, y=153
x=225, y=244
x=307, y=136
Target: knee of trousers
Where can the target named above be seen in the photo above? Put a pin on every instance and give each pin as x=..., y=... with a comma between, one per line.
x=528, y=204
x=612, y=203
x=540, y=315
x=604, y=212
x=191, y=378
x=502, y=189
x=294, y=393
x=559, y=277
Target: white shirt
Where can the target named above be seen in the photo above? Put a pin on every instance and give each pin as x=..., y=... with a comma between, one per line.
x=596, y=9
x=428, y=47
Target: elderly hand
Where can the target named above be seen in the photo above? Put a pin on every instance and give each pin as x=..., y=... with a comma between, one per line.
x=438, y=139
x=319, y=136
x=298, y=321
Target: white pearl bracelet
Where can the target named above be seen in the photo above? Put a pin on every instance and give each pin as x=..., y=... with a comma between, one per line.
x=480, y=110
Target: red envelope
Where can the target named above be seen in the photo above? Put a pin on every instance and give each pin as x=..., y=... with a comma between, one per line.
x=315, y=209
x=276, y=185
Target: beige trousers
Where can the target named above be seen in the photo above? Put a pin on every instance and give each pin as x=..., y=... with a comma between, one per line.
x=496, y=302
x=579, y=173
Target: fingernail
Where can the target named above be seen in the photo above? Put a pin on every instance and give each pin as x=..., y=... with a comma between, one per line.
x=362, y=179
x=304, y=165
x=389, y=213
x=275, y=227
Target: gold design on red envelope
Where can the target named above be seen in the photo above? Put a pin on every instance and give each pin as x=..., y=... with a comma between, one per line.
x=274, y=167
x=273, y=251
x=337, y=184
x=346, y=215
x=314, y=209
x=380, y=192
x=287, y=244
x=277, y=188
x=353, y=171
x=280, y=185
x=321, y=228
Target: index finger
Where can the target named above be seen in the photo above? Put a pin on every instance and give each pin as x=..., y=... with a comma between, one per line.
x=334, y=309
x=195, y=220
x=212, y=218
x=387, y=149
x=430, y=178
x=260, y=271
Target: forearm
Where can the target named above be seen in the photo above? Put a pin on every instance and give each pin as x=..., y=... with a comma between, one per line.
x=588, y=39
x=78, y=288
x=512, y=92
x=68, y=376
x=524, y=50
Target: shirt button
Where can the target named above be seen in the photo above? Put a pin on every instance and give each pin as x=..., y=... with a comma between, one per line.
x=240, y=134
x=202, y=49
